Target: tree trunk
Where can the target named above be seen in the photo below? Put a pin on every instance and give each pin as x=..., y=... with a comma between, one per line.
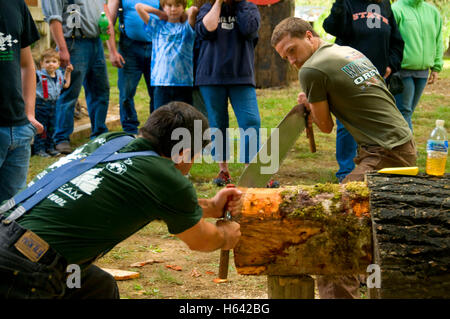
x=317, y=230
x=290, y=287
x=411, y=227
x=271, y=70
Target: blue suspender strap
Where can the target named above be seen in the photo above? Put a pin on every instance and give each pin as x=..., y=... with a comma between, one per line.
x=58, y=172
x=63, y=174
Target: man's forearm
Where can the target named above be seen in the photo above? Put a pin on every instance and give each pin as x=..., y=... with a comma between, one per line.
x=207, y=207
x=28, y=73
x=56, y=30
x=111, y=42
x=113, y=7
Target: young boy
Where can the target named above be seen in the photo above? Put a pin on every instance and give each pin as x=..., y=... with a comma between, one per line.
x=172, y=51
x=50, y=82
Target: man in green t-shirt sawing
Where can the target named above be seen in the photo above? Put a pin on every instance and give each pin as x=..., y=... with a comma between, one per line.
x=340, y=80
x=86, y=217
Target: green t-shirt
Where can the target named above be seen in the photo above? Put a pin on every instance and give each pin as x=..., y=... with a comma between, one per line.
x=357, y=95
x=93, y=212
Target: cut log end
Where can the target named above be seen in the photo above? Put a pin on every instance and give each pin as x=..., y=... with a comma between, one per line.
x=321, y=229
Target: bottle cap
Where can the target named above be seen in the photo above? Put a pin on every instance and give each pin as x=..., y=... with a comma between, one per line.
x=440, y=123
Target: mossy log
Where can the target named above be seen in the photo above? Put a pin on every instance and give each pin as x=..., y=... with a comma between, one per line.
x=317, y=230
x=411, y=227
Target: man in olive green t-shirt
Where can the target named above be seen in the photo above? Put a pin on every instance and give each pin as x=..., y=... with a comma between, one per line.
x=86, y=217
x=341, y=80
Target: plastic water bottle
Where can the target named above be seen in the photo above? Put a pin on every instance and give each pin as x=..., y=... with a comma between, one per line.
x=437, y=150
x=103, y=23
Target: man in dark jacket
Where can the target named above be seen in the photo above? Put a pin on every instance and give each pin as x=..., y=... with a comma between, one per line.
x=228, y=32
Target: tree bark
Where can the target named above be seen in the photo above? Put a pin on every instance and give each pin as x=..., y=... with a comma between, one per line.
x=411, y=229
x=317, y=230
x=270, y=69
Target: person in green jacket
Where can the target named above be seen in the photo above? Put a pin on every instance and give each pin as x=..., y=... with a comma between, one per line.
x=420, y=25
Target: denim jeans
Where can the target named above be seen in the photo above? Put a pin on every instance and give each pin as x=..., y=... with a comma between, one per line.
x=21, y=278
x=137, y=57
x=15, y=151
x=245, y=107
x=89, y=71
x=407, y=100
x=45, y=114
x=166, y=94
x=345, y=151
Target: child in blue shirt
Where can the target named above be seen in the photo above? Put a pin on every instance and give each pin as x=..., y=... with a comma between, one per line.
x=172, y=51
x=50, y=82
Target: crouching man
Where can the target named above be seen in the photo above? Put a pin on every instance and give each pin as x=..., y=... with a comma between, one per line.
x=98, y=196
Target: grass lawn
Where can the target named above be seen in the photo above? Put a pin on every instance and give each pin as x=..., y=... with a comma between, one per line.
x=300, y=167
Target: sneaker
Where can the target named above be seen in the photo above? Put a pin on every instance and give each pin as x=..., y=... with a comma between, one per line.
x=222, y=179
x=53, y=152
x=41, y=153
x=64, y=148
x=273, y=184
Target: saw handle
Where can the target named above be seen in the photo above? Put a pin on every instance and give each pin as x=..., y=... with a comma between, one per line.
x=310, y=136
x=225, y=254
x=309, y=130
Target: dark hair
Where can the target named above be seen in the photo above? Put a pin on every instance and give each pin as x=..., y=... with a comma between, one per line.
x=294, y=27
x=162, y=122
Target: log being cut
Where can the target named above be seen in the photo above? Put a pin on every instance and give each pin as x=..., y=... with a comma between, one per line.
x=318, y=230
x=400, y=223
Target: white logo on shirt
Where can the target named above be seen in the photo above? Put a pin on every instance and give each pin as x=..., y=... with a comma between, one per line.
x=116, y=168
x=227, y=23
x=88, y=182
x=6, y=41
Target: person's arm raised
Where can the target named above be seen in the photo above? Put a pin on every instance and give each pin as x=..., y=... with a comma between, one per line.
x=211, y=19
x=144, y=12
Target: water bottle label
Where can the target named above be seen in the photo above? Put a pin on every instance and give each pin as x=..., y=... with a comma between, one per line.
x=437, y=146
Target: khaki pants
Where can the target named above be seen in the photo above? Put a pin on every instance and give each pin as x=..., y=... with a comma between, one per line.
x=376, y=157
x=369, y=158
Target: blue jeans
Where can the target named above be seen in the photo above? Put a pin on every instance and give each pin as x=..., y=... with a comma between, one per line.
x=137, y=57
x=345, y=151
x=45, y=114
x=89, y=71
x=166, y=94
x=15, y=151
x=245, y=107
x=407, y=100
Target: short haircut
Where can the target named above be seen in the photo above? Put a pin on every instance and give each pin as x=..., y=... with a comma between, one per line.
x=294, y=27
x=164, y=120
x=183, y=3
x=49, y=53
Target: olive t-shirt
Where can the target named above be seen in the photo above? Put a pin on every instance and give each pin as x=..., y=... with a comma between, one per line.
x=357, y=95
x=93, y=212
